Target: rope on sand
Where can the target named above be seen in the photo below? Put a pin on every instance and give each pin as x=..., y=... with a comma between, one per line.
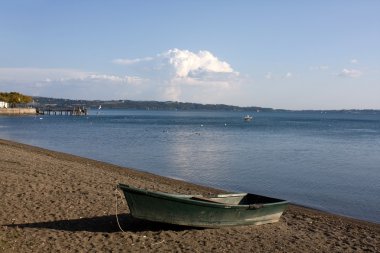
x=117, y=217
x=116, y=199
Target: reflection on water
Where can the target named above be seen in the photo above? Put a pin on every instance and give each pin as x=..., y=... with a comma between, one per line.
x=329, y=161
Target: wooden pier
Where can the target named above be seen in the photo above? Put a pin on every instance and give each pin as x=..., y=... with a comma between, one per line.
x=78, y=111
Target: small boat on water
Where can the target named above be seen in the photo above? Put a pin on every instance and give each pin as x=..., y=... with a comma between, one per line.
x=198, y=211
x=248, y=117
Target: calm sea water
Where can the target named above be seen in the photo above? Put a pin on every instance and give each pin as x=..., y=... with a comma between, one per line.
x=328, y=161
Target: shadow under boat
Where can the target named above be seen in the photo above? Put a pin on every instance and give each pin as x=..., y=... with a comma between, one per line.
x=105, y=224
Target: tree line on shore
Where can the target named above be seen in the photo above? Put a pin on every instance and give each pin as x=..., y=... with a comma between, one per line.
x=141, y=105
x=14, y=98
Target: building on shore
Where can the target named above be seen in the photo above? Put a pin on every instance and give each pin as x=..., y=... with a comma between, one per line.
x=6, y=110
x=4, y=104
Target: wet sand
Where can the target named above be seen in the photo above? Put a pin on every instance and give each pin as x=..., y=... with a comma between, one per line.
x=55, y=202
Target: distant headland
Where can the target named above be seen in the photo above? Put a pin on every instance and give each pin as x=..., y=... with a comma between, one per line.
x=141, y=105
x=168, y=105
x=16, y=103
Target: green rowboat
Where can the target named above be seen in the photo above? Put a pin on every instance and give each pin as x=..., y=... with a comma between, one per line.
x=197, y=211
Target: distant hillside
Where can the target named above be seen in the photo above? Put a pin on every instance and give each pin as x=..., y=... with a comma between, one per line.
x=140, y=105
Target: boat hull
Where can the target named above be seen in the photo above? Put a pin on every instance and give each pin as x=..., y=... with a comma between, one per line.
x=183, y=210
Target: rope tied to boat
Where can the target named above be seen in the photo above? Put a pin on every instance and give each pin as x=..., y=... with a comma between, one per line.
x=117, y=193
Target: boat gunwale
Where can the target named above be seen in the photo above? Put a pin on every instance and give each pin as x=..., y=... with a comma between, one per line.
x=186, y=199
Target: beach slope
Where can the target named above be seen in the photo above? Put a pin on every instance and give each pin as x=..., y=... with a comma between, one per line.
x=55, y=202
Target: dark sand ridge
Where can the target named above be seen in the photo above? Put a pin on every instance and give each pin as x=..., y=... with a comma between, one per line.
x=55, y=202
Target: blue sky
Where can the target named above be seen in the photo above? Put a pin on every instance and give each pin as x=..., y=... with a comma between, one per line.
x=280, y=54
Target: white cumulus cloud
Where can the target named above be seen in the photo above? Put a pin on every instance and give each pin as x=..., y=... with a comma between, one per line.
x=183, y=75
x=188, y=63
x=183, y=63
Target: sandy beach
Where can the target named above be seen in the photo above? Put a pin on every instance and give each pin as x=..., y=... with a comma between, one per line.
x=55, y=202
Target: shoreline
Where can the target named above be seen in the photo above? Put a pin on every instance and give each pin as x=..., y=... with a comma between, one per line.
x=60, y=202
